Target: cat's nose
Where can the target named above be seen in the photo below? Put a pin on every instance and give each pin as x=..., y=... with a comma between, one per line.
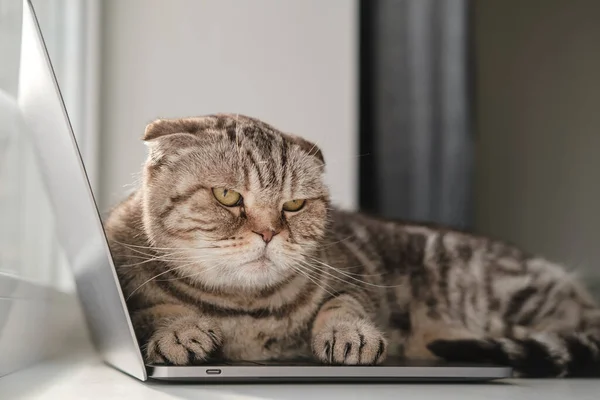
x=267, y=234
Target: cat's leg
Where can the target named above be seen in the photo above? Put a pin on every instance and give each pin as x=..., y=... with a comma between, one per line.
x=550, y=324
x=176, y=334
x=425, y=328
x=343, y=333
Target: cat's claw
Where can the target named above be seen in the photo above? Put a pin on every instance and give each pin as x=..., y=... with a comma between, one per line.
x=349, y=343
x=183, y=342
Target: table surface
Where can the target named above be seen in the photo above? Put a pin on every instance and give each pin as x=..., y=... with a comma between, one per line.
x=85, y=377
x=77, y=373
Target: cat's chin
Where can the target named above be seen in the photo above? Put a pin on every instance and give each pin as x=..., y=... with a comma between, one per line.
x=260, y=267
x=250, y=276
x=260, y=271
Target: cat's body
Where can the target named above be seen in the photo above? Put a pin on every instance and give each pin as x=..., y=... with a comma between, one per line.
x=248, y=281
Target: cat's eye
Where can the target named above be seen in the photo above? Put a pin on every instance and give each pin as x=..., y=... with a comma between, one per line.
x=227, y=197
x=293, y=205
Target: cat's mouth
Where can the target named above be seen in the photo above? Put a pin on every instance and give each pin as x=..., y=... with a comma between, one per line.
x=261, y=261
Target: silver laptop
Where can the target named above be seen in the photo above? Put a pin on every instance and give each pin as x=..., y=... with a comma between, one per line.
x=81, y=234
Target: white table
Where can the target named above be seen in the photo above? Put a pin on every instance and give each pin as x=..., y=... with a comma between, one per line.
x=77, y=373
x=83, y=376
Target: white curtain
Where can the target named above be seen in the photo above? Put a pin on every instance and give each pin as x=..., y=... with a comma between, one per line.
x=417, y=111
x=28, y=246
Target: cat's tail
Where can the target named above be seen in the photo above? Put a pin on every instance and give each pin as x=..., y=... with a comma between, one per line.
x=539, y=355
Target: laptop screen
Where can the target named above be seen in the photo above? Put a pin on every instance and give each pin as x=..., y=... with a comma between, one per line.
x=78, y=224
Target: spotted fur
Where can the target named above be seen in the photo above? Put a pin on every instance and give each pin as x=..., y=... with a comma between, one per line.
x=341, y=287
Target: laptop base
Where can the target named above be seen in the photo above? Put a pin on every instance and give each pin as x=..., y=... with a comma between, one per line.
x=392, y=370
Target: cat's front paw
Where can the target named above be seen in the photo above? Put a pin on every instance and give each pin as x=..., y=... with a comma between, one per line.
x=356, y=342
x=184, y=341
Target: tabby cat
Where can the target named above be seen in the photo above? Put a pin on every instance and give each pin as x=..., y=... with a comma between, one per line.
x=230, y=248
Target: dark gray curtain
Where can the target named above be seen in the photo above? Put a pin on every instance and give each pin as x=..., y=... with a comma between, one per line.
x=415, y=110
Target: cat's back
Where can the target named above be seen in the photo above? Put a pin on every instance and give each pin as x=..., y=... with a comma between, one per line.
x=398, y=243
x=386, y=233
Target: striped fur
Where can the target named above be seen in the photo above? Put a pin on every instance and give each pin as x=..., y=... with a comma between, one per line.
x=343, y=287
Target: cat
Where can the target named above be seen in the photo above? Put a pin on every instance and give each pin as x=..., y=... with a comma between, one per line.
x=231, y=249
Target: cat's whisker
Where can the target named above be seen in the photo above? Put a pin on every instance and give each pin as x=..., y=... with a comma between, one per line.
x=307, y=274
x=301, y=263
x=155, y=256
x=349, y=275
x=312, y=279
x=161, y=257
x=158, y=255
x=141, y=252
x=192, y=275
x=352, y=277
x=165, y=257
x=323, y=271
x=304, y=256
x=144, y=255
x=323, y=284
x=173, y=260
x=345, y=270
x=130, y=245
x=154, y=277
x=359, y=275
x=337, y=242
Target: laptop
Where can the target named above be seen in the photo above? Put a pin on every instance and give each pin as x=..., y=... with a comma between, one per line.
x=81, y=233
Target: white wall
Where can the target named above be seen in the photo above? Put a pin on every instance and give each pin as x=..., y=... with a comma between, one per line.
x=538, y=88
x=291, y=63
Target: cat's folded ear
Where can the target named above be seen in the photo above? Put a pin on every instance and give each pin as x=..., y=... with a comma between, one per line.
x=167, y=137
x=310, y=148
x=163, y=127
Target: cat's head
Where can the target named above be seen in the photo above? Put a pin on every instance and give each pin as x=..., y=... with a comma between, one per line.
x=231, y=201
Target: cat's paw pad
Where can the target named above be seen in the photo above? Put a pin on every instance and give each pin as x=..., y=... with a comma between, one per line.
x=349, y=343
x=183, y=342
